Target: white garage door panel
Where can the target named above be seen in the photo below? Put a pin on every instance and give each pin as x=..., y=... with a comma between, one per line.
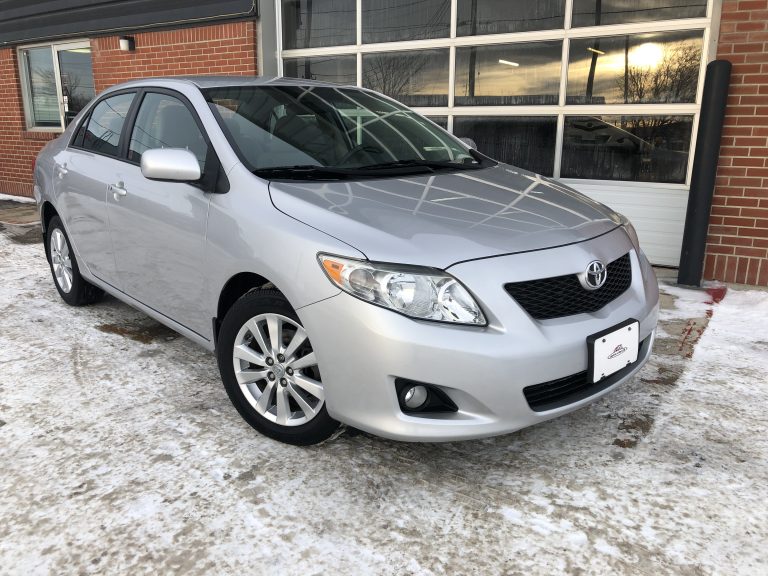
x=658, y=213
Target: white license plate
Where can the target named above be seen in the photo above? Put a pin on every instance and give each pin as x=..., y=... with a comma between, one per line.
x=613, y=349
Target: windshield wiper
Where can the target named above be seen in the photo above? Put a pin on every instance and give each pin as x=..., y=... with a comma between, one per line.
x=303, y=172
x=416, y=163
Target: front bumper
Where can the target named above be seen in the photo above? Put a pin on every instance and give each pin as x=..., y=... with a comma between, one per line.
x=362, y=348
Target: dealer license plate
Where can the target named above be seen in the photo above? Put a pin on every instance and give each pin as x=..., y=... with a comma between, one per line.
x=613, y=349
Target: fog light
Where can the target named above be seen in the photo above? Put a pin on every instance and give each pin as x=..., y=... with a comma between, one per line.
x=415, y=397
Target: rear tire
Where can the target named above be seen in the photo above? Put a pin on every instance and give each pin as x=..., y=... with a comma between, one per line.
x=269, y=370
x=72, y=287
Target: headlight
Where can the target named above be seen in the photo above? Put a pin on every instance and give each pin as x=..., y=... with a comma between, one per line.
x=417, y=292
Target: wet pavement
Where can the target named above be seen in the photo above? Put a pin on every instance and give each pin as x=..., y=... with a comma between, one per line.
x=121, y=454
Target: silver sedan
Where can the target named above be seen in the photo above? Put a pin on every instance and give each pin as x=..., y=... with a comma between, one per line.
x=347, y=260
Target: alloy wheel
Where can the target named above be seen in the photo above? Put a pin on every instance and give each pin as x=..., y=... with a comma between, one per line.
x=61, y=261
x=276, y=369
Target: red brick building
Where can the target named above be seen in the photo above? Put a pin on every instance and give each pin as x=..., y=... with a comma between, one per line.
x=554, y=86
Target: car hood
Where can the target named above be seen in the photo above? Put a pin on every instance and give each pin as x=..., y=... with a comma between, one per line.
x=440, y=219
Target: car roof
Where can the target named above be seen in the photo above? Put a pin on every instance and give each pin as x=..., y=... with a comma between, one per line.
x=203, y=82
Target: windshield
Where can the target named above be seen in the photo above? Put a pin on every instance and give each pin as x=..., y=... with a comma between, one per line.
x=293, y=132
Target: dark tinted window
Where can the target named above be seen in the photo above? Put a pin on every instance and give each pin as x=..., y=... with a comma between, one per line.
x=508, y=74
x=524, y=141
x=652, y=68
x=501, y=16
x=417, y=78
x=640, y=148
x=165, y=122
x=597, y=12
x=393, y=20
x=339, y=69
x=316, y=23
x=106, y=124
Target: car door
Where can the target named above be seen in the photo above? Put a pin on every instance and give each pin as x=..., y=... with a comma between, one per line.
x=158, y=227
x=83, y=172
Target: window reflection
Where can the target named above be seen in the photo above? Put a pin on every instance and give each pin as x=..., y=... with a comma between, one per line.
x=338, y=69
x=316, y=23
x=641, y=148
x=639, y=69
x=524, y=141
x=597, y=12
x=500, y=16
x=417, y=78
x=441, y=121
x=42, y=86
x=508, y=74
x=393, y=20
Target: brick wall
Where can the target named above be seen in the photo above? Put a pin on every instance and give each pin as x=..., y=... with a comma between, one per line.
x=737, y=245
x=216, y=49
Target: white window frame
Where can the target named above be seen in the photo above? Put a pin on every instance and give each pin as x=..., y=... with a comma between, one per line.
x=26, y=87
x=707, y=24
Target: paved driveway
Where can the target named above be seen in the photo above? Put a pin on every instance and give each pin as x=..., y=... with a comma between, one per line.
x=122, y=455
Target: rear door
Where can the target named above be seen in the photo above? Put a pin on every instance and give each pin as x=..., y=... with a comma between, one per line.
x=157, y=227
x=83, y=172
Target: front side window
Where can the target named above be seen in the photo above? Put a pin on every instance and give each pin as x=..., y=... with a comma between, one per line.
x=284, y=127
x=164, y=121
x=56, y=83
x=105, y=125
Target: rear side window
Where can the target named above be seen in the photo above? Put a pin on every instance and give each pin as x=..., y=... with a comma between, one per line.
x=164, y=121
x=105, y=125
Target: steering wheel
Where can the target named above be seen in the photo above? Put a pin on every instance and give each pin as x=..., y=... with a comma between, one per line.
x=357, y=149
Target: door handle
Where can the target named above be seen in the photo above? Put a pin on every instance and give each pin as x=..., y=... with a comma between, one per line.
x=118, y=190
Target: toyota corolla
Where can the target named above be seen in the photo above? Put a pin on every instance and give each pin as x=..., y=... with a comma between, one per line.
x=347, y=260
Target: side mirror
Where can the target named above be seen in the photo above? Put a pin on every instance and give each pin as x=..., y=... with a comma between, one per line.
x=176, y=164
x=469, y=142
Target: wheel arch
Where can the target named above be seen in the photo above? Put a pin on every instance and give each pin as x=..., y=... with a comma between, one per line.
x=234, y=289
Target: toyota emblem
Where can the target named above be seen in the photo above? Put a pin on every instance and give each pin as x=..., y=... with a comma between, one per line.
x=594, y=276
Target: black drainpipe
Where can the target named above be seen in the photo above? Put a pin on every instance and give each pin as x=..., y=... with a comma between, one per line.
x=704, y=171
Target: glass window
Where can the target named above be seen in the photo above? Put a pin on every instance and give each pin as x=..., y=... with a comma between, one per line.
x=597, y=12
x=76, y=72
x=339, y=69
x=524, y=141
x=640, y=148
x=308, y=24
x=441, y=121
x=106, y=124
x=508, y=74
x=278, y=129
x=501, y=16
x=42, y=104
x=165, y=122
x=394, y=20
x=639, y=69
x=417, y=78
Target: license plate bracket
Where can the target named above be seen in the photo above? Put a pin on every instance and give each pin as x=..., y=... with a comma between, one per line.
x=613, y=349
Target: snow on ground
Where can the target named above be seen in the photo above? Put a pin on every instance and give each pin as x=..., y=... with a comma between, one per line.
x=122, y=455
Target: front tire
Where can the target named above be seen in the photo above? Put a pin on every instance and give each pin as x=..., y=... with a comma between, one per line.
x=72, y=287
x=270, y=372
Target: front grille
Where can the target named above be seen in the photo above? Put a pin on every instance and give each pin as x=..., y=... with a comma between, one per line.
x=570, y=389
x=564, y=295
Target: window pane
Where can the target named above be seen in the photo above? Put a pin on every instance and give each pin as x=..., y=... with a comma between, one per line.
x=596, y=12
x=76, y=72
x=639, y=69
x=43, y=105
x=311, y=24
x=500, y=16
x=418, y=78
x=165, y=122
x=640, y=148
x=339, y=69
x=392, y=20
x=106, y=123
x=508, y=74
x=441, y=121
x=524, y=141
